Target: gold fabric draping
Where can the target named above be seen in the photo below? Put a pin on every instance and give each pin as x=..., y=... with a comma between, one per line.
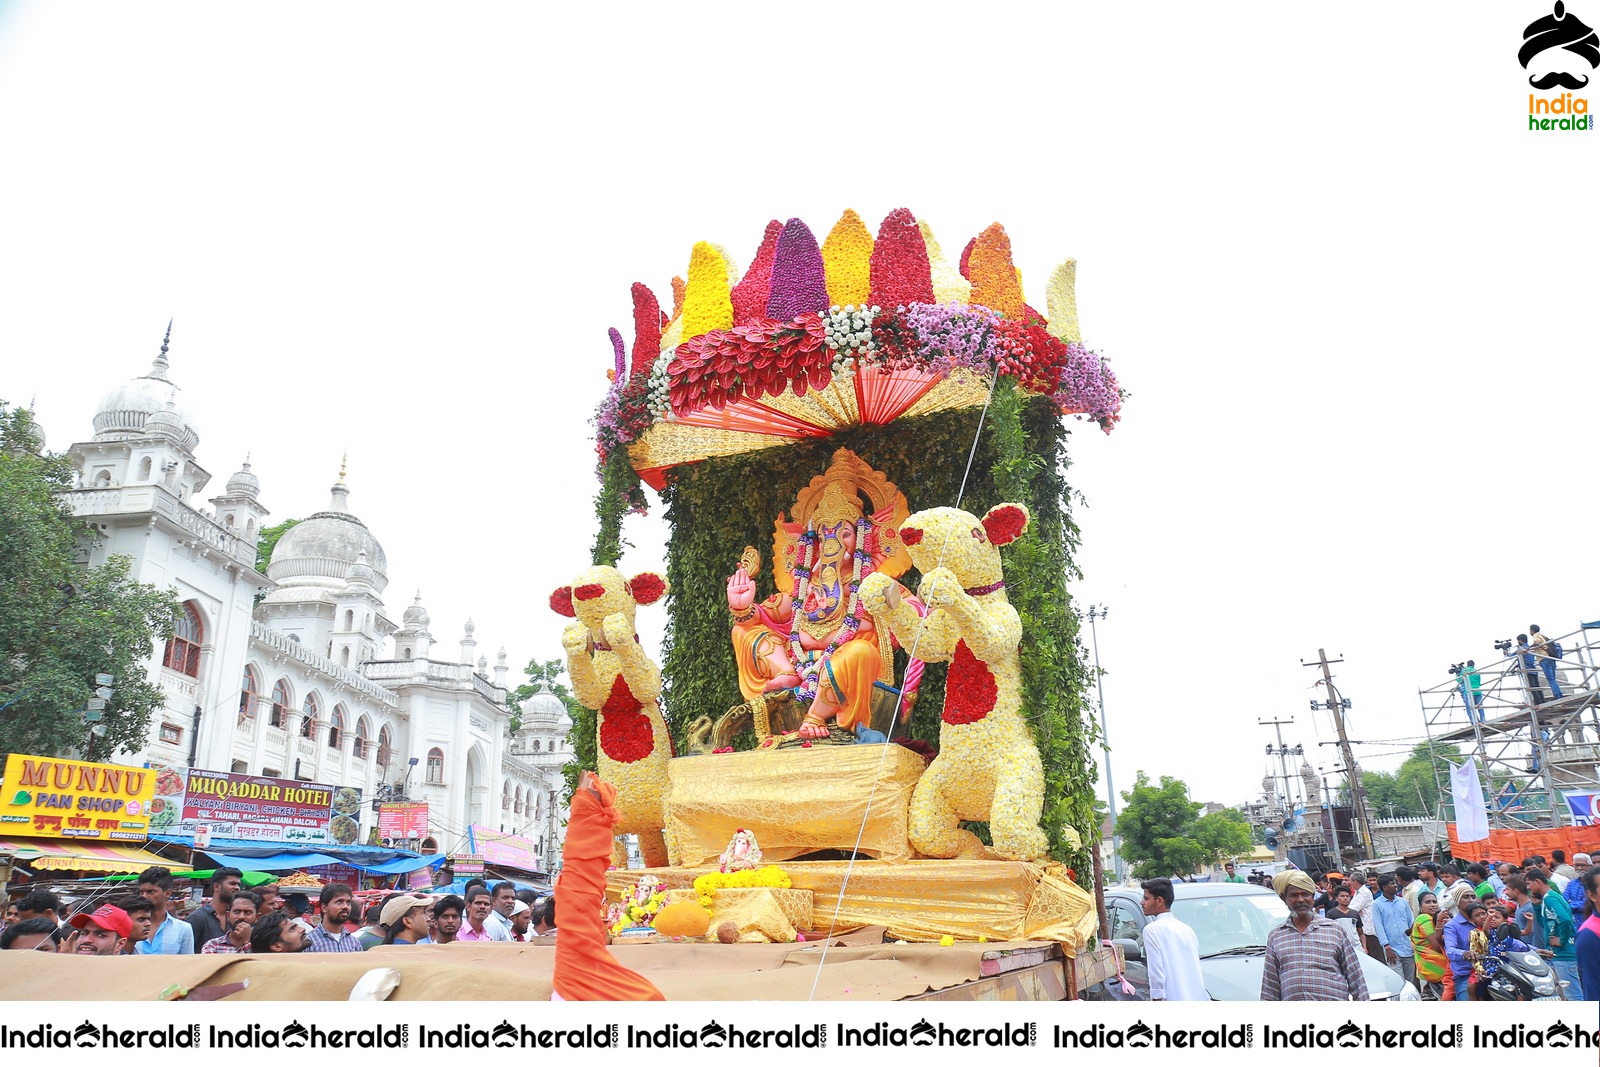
x=924, y=900
x=762, y=914
x=795, y=801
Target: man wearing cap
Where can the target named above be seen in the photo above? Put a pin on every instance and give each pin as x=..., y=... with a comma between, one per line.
x=1574, y=893
x=1308, y=957
x=521, y=919
x=404, y=919
x=103, y=932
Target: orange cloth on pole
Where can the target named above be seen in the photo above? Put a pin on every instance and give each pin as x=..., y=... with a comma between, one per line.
x=585, y=968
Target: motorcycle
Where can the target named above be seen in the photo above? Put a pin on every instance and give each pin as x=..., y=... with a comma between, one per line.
x=1524, y=976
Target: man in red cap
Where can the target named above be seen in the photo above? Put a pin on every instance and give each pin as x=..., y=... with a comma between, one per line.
x=104, y=931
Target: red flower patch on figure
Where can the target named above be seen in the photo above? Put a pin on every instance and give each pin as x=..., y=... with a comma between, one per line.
x=561, y=602
x=647, y=587
x=970, y=691
x=624, y=731
x=1004, y=523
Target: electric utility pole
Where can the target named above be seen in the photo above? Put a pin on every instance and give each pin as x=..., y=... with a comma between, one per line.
x=1338, y=706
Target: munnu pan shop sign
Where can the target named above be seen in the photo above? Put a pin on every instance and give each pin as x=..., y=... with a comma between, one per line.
x=46, y=797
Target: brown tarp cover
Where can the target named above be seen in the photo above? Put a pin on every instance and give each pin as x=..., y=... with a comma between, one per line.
x=857, y=967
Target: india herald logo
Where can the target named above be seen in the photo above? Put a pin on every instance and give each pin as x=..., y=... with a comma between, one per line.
x=1558, y=40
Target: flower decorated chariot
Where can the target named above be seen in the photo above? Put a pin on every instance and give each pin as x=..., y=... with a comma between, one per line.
x=874, y=677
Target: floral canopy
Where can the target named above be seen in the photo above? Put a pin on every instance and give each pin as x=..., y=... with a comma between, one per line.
x=857, y=331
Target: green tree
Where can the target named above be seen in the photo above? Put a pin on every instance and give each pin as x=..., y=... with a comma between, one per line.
x=1412, y=791
x=545, y=676
x=1163, y=833
x=62, y=623
x=269, y=541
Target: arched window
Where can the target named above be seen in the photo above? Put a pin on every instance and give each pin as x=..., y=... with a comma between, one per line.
x=435, y=766
x=311, y=712
x=144, y=469
x=385, y=748
x=360, y=747
x=349, y=619
x=280, y=705
x=536, y=746
x=102, y=479
x=344, y=656
x=183, y=649
x=505, y=798
x=336, y=726
x=249, y=695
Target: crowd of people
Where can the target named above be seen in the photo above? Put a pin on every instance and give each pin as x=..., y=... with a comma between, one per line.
x=234, y=919
x=1444, y=928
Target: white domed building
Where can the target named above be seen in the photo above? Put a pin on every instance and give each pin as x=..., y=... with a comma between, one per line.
x=300, y=673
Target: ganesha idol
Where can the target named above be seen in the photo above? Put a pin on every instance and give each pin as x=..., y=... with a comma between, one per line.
x=813, y=638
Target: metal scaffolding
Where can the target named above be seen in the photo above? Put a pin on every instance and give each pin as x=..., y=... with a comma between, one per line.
x=1530, y=750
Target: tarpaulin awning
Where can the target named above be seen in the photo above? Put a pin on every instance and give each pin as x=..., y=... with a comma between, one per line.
x=49, y=854
x=256, y=856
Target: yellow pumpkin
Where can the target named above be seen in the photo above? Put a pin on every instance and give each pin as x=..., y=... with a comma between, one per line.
x=682, y=919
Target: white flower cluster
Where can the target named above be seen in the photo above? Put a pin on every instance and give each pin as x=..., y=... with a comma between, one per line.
x=658, y=388
x=848, y=333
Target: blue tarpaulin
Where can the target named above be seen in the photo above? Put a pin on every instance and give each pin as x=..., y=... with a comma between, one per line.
x=259, y=856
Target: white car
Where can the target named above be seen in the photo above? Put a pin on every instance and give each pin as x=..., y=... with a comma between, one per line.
x=1231, y=921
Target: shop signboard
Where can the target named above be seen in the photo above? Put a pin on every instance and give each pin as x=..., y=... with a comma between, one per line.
x=467, y=864
x=397, y=821
x=248, y=808
x=46, y=797
x=505, y=850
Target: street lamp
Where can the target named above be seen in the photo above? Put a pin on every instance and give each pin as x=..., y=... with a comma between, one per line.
x=1093, y=612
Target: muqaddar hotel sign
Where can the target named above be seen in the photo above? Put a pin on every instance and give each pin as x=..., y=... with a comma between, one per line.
x=45, y=797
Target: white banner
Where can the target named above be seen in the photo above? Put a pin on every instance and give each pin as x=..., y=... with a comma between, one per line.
x=422, y=1032
x=1472, y=818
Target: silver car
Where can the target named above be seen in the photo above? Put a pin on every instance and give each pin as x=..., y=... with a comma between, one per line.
x=1231, y=921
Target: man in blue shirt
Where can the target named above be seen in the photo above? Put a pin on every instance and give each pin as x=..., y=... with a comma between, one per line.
x=1458, y=945
x=1392, y=917
x=1574, y=890
x=169, y=935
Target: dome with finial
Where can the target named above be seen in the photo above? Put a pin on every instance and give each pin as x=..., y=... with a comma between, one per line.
x=416, y=616
x=125, y=411
x=360, y=572
x=321, y=549
x=542, y=711
x=243, y=483
x=165, y=423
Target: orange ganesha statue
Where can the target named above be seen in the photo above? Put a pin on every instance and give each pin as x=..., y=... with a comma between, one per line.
x=612, y=675
x=814, y=637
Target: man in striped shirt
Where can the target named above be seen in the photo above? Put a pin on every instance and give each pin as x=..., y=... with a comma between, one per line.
x=330, y=935
x=237, y=921
x=1309, y=957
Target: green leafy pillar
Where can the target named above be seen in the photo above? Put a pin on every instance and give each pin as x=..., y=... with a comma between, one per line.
x=718, y=506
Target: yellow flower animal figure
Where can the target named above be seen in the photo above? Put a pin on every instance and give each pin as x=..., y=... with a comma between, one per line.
x=612, y=675
x=988, y=767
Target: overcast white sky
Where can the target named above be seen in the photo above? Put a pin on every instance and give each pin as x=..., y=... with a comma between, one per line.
x=1352, y=295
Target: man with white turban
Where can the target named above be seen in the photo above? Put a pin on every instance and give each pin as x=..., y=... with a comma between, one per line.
x=1309, y=957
